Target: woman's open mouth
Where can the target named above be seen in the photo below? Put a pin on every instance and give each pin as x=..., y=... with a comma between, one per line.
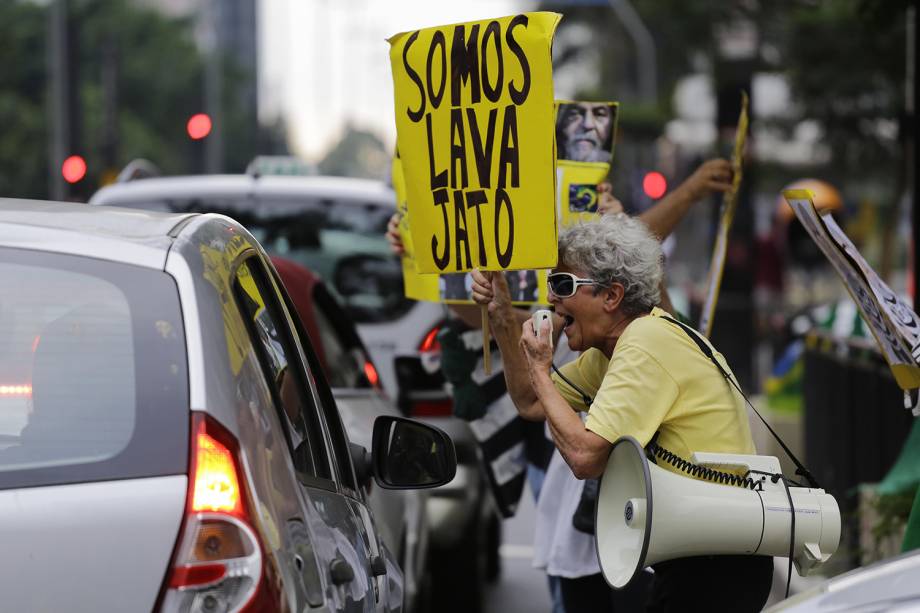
x=569, y=320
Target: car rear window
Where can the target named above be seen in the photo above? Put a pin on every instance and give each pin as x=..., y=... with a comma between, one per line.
x=340, y=239
x=93, y=377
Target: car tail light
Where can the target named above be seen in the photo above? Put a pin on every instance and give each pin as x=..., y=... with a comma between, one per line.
x=370, y=371
x=219, y=563
x=430, y=351
x=430, y=342
x=432, y=408
x=18, y=390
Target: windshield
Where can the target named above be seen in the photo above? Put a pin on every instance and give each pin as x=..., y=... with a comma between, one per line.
x=340, y=239
x=79, y=399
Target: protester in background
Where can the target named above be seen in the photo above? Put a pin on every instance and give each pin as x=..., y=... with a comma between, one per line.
x=645, y=376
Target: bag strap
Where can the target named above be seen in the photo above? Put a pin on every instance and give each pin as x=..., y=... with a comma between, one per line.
x=707, y=351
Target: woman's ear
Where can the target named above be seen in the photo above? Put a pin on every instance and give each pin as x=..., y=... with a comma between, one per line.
x=613, y=297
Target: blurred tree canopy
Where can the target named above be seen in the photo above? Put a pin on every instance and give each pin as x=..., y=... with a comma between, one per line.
x=845, y=61
x=23, y=120
x=358, y=153
x=158, y=84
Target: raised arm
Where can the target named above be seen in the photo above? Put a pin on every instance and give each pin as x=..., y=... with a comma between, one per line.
x=711, y=176
x=492, y=289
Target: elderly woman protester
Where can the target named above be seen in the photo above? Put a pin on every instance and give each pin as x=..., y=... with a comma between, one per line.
x=642, y=373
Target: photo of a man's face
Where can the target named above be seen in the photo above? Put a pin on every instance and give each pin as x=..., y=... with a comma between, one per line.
x=584, y=131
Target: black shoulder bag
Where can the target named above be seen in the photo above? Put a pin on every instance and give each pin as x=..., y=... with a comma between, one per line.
x=583, y=518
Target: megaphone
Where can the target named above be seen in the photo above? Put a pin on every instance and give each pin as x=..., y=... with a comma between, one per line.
x=646, y=514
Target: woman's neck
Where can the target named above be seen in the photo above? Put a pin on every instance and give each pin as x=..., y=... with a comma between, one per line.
x=616, y=331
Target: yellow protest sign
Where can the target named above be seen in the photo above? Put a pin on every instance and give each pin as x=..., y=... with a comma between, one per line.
x=893, y=323
x=527, y=286
x=727, y=216
x=474, y=122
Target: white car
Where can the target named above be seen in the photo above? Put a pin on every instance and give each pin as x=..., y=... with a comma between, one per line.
x=889, y=585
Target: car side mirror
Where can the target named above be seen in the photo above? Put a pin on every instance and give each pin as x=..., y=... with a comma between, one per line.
x=408, y=454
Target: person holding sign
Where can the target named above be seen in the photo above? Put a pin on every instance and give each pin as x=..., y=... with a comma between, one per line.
x=639, y=374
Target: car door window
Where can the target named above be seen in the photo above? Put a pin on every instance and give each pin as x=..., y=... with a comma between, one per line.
x=345, y=359
x=278, y=356
x=340, y=447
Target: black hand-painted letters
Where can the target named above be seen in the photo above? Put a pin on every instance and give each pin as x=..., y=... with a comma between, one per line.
x=477, y=73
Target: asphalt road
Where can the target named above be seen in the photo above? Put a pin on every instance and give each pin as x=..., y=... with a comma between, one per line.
x=521, y=587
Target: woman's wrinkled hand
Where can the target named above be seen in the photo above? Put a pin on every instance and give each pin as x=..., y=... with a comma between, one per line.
x=490, y=289
x=538, y=350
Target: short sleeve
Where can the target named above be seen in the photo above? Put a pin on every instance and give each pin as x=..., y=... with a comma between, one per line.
x=635, y=397
x=586, y=372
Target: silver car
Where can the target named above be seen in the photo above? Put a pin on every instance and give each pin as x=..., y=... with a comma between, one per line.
x=167, y=439
x=335, y=226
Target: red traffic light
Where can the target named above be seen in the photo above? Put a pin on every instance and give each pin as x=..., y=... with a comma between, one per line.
x=198, y=126
x=654, y=185
x=73, y=169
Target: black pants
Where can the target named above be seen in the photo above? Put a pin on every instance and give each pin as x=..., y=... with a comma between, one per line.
x=712, y=583
x=735, y=584
x=591, y=594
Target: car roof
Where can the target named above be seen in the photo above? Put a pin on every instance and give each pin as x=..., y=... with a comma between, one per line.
x=216, y=186
x=128, y=235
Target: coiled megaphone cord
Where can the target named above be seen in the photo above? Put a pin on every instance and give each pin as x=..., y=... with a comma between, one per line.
x=701, y=472
x=709, y=473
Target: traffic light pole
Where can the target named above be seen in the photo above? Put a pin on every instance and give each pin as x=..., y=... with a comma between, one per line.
x=59, y=141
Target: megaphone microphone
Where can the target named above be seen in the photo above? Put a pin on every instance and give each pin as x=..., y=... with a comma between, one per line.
x=646, y=514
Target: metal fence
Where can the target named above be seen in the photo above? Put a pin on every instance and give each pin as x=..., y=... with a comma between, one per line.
x=855, y=422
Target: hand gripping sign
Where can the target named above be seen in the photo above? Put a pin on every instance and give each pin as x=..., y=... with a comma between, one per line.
x=893, y=323
x=474, y=122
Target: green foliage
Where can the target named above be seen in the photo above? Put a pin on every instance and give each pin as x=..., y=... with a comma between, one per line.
x=23, y=136
x=845, y=59
x=358, y=154
x=160, y=84
x=160, y=79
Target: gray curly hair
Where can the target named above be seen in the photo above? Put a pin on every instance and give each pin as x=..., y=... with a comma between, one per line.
x=616, y=249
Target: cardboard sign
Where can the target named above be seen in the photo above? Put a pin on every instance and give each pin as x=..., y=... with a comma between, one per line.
x=474, y=122
x=585, y=137
x=893, y=323
x=727, y=216
x=527, y=286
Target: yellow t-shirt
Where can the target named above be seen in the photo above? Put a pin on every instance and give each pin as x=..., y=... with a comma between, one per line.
x=659, y=380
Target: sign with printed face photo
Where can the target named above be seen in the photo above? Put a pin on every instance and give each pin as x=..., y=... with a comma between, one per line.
x=893, y=323
x=585, y=137
x=586, y=131
x=474, y=122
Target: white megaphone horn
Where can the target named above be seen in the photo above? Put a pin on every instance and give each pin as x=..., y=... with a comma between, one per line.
x=646, y=514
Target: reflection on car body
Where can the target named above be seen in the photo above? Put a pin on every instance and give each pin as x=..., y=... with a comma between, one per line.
x=335, y=226
x=236, y=484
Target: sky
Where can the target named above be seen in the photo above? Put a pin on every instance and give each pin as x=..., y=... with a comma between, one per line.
x=324, y=63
